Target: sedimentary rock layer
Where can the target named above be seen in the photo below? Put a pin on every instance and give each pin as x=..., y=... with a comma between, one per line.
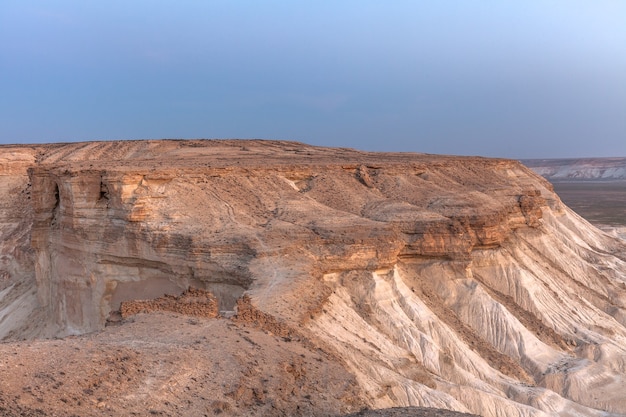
x=438, y=281
x=580, y=169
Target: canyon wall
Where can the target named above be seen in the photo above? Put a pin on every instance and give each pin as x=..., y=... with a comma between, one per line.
x=18, y=292
x=449, y=282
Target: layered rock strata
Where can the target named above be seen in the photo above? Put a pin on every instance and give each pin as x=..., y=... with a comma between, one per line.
x=580, y=169
x=438, y=281
x=18, y=292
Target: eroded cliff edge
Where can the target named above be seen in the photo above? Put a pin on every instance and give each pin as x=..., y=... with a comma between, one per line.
x=449, y=282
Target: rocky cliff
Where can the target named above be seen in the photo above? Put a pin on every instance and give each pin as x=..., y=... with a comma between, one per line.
x=449, y=282
x=579, y=169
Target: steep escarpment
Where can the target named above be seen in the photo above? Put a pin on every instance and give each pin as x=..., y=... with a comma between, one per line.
x=99, y=232
x=580, y=169
x=436, y=281
x=18, y=292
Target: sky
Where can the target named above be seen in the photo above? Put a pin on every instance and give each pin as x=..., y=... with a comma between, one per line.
x=504, y=78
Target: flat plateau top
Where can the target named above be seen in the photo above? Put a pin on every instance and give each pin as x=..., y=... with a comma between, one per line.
x=152, y=154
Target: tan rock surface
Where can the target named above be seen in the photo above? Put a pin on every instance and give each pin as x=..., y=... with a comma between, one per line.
x=192, y=302
x=170, y=365
x=434, y=281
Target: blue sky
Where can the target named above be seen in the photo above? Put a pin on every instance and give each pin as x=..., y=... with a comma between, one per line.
x=521, y=79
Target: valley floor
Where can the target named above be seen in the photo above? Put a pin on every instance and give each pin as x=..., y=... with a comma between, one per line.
x=600, y=202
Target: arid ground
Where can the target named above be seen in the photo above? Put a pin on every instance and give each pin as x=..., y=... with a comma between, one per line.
x=600, y=202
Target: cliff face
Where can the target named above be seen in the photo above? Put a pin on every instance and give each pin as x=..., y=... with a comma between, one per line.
x=100, y=231
x=449, y=282
x=581, y=169
x=18, y=292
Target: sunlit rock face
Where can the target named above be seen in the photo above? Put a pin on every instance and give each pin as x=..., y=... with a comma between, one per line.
x=439, y=281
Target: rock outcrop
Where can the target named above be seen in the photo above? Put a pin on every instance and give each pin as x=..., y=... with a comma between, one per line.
x=193, y=302
x=437, y=281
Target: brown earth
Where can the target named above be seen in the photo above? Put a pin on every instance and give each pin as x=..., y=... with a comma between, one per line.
x=409, y=412
x=173, y=365
x=181, y=369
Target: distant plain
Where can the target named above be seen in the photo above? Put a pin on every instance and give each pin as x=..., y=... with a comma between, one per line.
x=600, y=202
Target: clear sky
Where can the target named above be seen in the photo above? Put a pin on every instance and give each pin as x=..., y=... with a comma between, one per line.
x=521, y=79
